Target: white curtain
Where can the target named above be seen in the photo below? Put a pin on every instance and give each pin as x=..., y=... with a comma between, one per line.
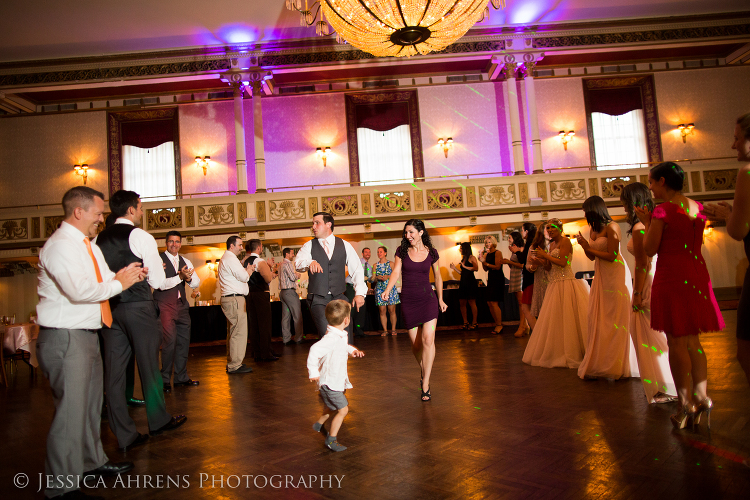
x=619, y=141
x=385, y=156
x=150, y=172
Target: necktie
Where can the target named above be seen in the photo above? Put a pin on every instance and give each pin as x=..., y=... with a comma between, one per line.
x=325, y=247
x=106, y=311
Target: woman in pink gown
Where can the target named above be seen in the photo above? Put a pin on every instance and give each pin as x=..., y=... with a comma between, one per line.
x=682, y=300
x=609, y=351
x=650, y=346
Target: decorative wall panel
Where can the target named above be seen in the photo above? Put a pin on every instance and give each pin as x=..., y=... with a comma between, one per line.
x=341, y=205
x=593, y=187
x=164, y=218
x=287, y=209
x=366, y=209
x=216, y=215
x=444, y=198
x=260, y=211
x=189, y=216
x=695, y=177
x=51, y=224
x=242, y=211
x=719, y=180
x=612, y=186
x=501, y=194
x=574, y=189
x=386, y=203
x=313, y=206
x=541, y=190
x=14, y=229
x=418, y=200
x=471, y=196
x=523, y=192
x=36, y=227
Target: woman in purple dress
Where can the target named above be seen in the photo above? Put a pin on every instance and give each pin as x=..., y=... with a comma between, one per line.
x=419, y=305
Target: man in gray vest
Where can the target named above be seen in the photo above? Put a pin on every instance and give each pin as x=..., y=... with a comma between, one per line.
x=326, y=258
x=135, y=326
x=174, y=313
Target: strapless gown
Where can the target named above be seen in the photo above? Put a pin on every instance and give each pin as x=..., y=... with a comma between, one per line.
x=609, y=351
x=560, y=335
x=650, y=346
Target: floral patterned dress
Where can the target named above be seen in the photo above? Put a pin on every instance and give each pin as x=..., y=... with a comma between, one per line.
x=393, y=298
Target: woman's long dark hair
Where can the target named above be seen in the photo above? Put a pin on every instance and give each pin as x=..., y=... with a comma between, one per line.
x=466, y=252
x=530, y=229
x=419, y=226
x=636, y=195
x=538, y=241
x=674, y=176
x=597, y=214
x=517, y=239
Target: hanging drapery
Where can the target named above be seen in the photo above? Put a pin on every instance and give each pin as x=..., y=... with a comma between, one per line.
x=383, y=111
x=615, y=102
x=385, y=156
x=149, y=171
x=620, y=141
x=144, y=129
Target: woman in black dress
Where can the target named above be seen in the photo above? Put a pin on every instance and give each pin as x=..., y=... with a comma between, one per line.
x=467, y=287
x=492, y=262
x=528, y=232
x=419, y=305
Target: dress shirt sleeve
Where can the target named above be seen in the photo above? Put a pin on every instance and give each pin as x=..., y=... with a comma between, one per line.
x=350, y=349
x=69, y=267
x=289, y=272
x=304, y=257
x=318, y=350
x=144, y=246
x=195, y=281
x=356, y=273
x=239, y=272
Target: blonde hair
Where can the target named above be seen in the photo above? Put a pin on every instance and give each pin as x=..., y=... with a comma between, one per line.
x=337, y=311
x=558, y=223
x=493, y=240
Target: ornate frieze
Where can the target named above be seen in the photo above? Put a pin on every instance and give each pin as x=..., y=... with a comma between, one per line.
x=720, y=180
x=313, y=202
x=523, y=192
x=164, y=218
x=501, y=194
x=241, y=211
x=366, y=209
x=593, y=187
x=51, y=224
x=287, y=209
x=190, y=216
x=216, y=215
x=341, y=205
x=471, y=196
x=386, y=203
x=36, y=227
x=444, y=198
x=541, y=190
x=612, y=186
x=14, y=229
x=260, y=211
x=418, y=200
x=573, y=189
x=695, y=177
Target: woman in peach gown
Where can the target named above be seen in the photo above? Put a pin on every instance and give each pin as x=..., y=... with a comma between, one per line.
x=609, y=351
x=650, y=346
x=559, y=338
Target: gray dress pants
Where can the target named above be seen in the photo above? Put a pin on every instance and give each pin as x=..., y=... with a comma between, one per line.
x=290, y=310
x=175, y=340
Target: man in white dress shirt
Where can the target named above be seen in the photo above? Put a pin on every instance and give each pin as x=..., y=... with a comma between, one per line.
x=326, y=257
x=74, y=285
x=136, y=328
x=233, y=280
x=174, y=313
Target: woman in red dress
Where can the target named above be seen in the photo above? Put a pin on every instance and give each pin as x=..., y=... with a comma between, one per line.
x=682, y=299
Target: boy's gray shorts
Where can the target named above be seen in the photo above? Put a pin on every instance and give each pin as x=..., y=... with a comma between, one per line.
x=335, y=400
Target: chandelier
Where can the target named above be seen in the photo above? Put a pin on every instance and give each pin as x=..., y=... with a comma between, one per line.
x=394, y=27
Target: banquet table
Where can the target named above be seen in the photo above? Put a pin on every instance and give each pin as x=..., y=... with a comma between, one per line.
x=18, y=337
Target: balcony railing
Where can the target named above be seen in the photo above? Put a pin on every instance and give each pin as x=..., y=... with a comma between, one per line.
x=225, y=212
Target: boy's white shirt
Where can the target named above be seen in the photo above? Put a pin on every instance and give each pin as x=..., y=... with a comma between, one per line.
x=328, y=357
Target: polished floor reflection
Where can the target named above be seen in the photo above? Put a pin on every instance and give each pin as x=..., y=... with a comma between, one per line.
x=496, y=428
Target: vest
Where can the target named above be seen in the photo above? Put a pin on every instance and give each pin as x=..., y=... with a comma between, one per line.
x=256, y=282
x=115, y=245
x=333, y=277
x=171, y=294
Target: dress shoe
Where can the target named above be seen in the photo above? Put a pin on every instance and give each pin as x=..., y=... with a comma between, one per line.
x=110, y=469
x=76, y=495
x=167, y=388
x=187, y=382
x=241, y=369
x=269, y=358
x=139, y=439
x=135, y=402
x=172, y=424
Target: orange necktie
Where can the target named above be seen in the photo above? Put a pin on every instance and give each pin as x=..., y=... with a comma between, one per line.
x=106, y=311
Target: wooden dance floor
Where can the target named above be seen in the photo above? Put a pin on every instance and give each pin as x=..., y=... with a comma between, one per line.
x=496, y=428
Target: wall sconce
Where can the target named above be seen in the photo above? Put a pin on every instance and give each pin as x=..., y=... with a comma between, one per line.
x=323, y=153
x=566, y=138
x=707, y=231
x=213, y=266
x=203, y=162
x=446, y=144
x=685, y=130
x=82, y=170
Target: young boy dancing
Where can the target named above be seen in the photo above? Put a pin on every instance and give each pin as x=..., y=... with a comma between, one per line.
x=326, y=365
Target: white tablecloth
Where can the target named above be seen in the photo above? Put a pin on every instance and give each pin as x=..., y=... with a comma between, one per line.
x=22, y=337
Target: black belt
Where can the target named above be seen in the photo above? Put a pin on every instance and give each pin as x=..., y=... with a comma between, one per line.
x=92, y=330
x=233, y=295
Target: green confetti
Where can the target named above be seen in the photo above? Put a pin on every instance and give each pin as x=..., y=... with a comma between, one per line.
x=647, y=380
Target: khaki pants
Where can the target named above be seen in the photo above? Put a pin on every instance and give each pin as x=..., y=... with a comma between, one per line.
x=234, y=310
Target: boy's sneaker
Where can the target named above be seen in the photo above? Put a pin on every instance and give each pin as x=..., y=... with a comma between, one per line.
x=334, y=445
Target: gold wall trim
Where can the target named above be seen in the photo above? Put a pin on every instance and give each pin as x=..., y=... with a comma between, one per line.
x=14, y=229
x=313, y=206
x=293, y=208
x=593, y=187
x=36, y=227
x=189, y=216
x=260, y=211
x=164, y=218
x=241, y=211
x=386, y=203
x=720, y=180
x=216, y=215
x=523, y=192
x=499, y=194
x=441, y=199
x=341, y=205
x=612, y=186
x=573, y=189
x=695, y=177
x=541, y=190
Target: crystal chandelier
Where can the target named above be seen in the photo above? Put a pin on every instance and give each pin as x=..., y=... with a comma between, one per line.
x=394, y=27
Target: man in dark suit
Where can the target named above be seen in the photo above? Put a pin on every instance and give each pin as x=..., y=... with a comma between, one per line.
x=135, y=326
x=259, y=303
x=174, y=313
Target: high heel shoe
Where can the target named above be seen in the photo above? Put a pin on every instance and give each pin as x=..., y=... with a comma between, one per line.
x=704, y=406
x=687, y=413
x=465, y=326
x=521, y=333
x=473, y=326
